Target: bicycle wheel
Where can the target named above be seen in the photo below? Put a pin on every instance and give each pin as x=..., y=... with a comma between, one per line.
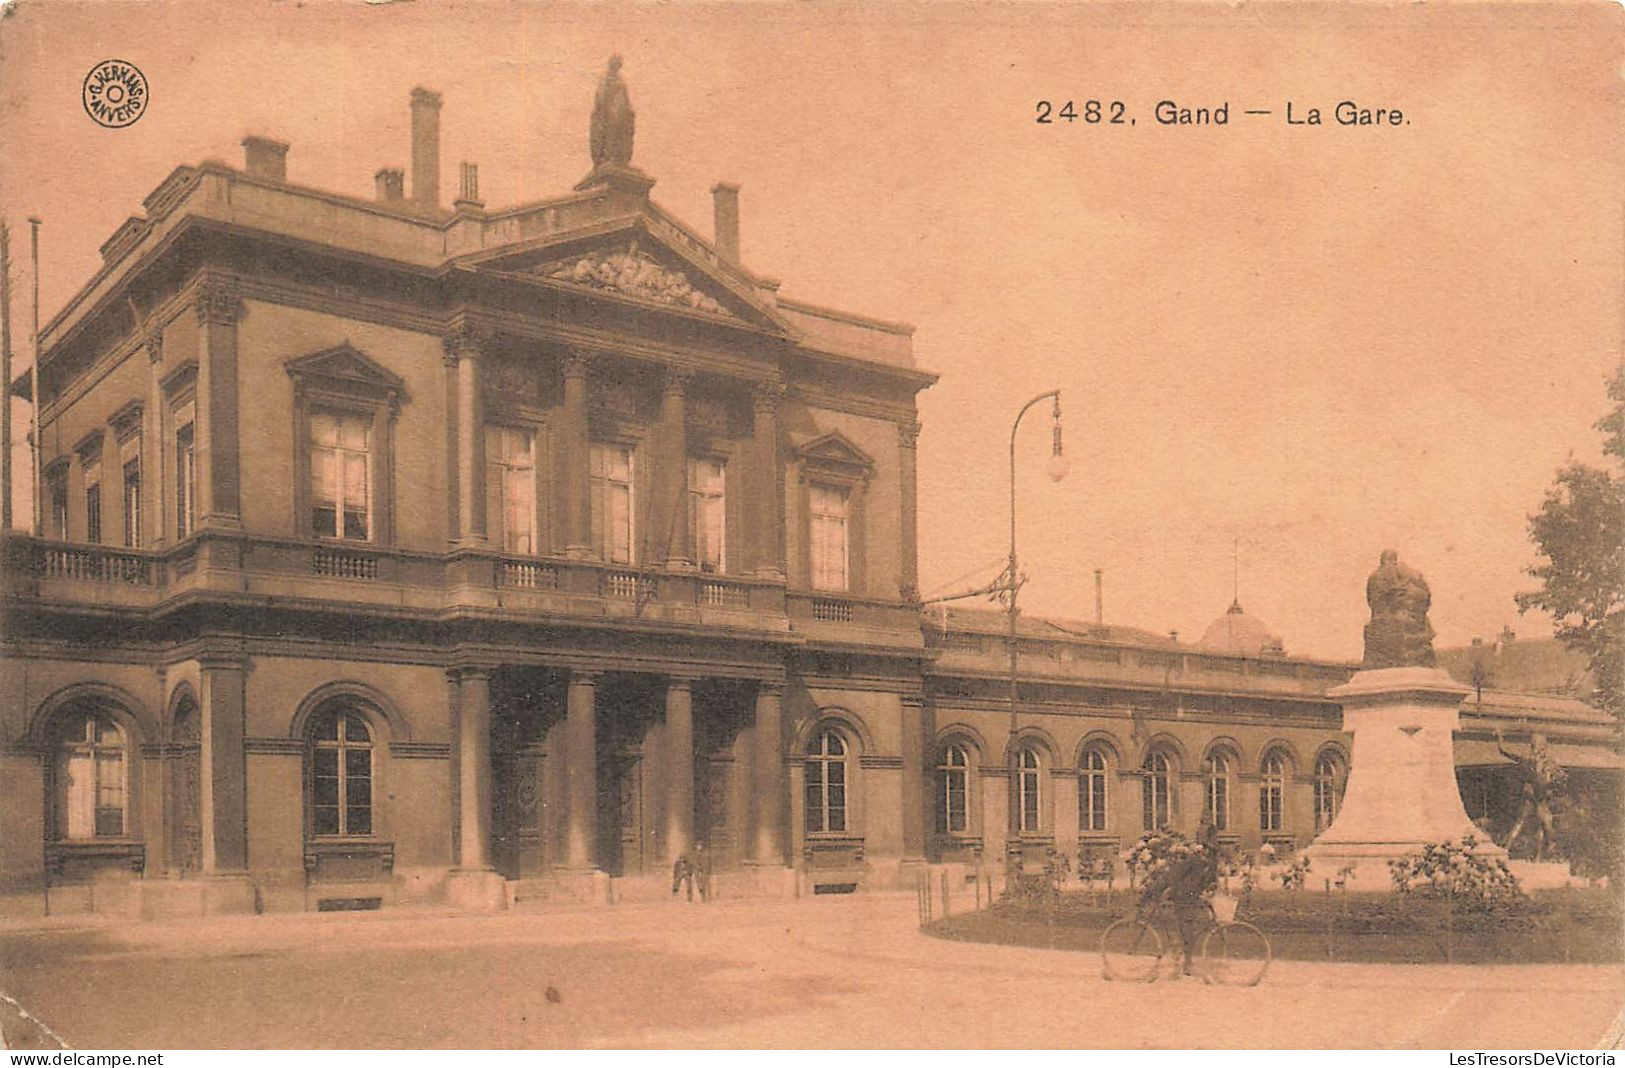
x=1130, y=950
x=1235, y=954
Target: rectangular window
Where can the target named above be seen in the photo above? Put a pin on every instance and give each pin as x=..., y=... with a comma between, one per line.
x=357, y=791
x=708, y=513
x=185, y=469
x=93, y=798
x=612, y=499
x=340, y=490
x=57, y=488
x=130, y=458
x=1269, y=807
x=1096, y=816
x=1027, y=785
x=511, y=454
x=93, y=501
x=109, y=794
x=324, y=783
x=827, y=536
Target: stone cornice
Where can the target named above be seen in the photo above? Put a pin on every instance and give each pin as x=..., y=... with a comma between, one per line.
x=420, y=750
x=274, y=747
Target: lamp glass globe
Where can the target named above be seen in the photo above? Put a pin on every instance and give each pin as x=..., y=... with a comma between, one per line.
x=1057, y=466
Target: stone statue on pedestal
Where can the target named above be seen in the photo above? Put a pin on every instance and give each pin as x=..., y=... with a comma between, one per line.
x=1398, y=634
x=610, y=137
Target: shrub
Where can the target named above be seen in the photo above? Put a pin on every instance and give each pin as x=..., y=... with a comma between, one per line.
x=1445, y=868
x=1591, y=835
x=1155, y=859
x=1295, y=875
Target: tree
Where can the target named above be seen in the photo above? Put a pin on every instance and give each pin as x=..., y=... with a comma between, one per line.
x=1580, y=532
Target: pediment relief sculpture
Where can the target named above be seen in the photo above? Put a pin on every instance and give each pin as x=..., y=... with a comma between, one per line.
x=633, y=272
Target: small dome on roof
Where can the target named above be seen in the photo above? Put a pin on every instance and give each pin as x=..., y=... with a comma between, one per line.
x=1239, y=634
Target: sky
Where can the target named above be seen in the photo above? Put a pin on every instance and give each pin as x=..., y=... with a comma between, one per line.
x=1280, y=349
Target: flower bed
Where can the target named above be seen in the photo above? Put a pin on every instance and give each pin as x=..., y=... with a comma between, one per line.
x=1558, y=926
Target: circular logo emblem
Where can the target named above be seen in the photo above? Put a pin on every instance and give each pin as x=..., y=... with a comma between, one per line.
x=115, y=93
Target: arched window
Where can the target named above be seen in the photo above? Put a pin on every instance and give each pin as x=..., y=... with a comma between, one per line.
x=953, y=791
x=1272, y=793
x=826, y=783
x=1328, y=790
x=1029, y=793
x=1216, y=772
x=340, y=774
x=1092, y=791
x=1156, y=790
x=91, y=778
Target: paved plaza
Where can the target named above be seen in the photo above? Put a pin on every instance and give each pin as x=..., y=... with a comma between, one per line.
x=848, y=972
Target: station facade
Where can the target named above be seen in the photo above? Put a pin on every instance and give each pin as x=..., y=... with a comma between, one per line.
x=394, y=551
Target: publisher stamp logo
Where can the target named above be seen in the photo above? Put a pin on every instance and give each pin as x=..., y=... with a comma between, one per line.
x=115, y=93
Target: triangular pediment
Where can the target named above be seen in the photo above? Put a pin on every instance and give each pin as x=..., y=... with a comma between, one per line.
x=836, y=450
x=346, y=366
x=646, y=258
x=632, y=270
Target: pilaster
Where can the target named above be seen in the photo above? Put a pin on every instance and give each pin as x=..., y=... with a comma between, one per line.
x=218, y=435
x=223, y=768
x=672, y=495
x=916, y=753
x=908, y=435
x=464, y=346
x=575, y=476
x=767, y=535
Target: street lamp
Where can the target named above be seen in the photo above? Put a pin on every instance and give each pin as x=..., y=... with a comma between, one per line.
x=1009, y=584
x=1056, y=467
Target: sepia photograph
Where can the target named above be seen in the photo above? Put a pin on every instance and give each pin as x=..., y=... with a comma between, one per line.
x=733, y=526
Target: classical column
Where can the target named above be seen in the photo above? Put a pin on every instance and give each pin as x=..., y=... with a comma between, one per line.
x=915, y=755
x=575, y=457
x=223, y=769
x=581, y=772
x=463, y=353
x=767, y=766
x=473, y=767
x=678, y=746
x=908, y=435
x=766, y=498
x=672, y=494
x=219, y=475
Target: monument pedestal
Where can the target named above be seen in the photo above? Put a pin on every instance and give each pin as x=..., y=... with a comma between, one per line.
x=1402, y=791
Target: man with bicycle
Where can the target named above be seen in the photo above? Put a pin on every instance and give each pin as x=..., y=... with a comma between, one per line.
x=1187, y=886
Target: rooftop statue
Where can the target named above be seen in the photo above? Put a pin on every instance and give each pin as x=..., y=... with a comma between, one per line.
x=1398, y=634
x=612, y=119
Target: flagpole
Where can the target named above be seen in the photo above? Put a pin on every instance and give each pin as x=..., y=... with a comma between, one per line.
x=33, y=383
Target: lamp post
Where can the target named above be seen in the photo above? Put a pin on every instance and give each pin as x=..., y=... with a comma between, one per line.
x=1056, y=467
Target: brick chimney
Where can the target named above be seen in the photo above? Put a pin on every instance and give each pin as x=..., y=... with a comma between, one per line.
x=468, y=195
x=426, y=148
x=391, y=185
x=726, y=197
x=265, y=158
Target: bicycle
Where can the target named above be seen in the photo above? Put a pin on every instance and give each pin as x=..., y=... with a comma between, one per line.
x=1230, y=952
